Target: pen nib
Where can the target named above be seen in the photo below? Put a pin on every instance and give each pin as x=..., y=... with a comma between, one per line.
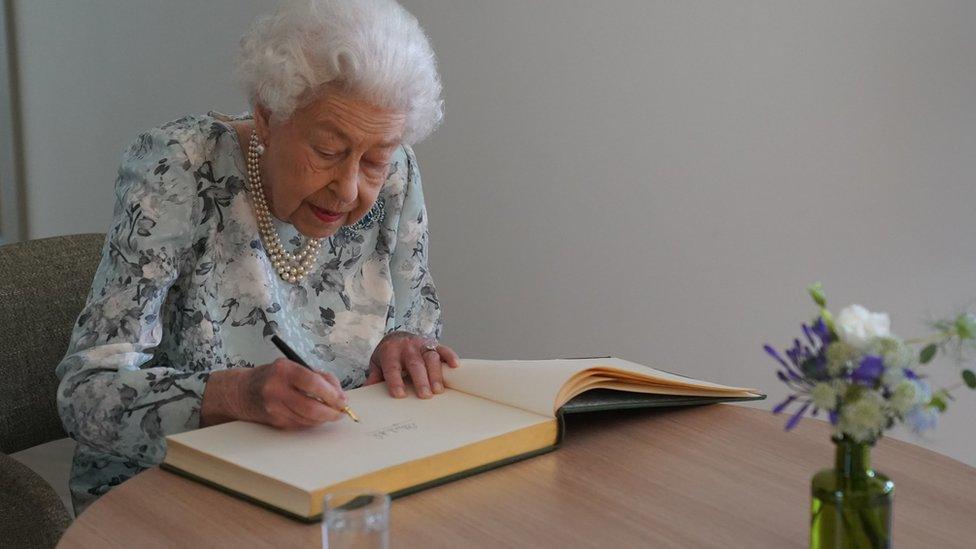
x=348, y=411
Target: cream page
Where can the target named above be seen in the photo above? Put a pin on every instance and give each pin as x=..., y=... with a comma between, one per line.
x=391, y=431
x=534, y=385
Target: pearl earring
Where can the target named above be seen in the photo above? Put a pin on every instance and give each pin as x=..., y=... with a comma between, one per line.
x=259, y=149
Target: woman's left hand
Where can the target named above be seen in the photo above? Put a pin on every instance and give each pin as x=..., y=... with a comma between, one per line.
x=401, y=354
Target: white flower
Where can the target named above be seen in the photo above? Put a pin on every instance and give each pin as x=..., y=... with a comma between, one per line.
x=903, y=398
x=892, y=376
x=840, y=357
x=824, y=396
x=857, y=326
x=864, y=418
x=892, y=351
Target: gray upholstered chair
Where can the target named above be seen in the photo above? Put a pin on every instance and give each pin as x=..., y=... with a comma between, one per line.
x=43, y=286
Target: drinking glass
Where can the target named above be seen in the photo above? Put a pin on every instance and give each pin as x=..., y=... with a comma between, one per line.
x=356, y=519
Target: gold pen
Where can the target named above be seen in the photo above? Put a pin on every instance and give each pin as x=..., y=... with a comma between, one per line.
x=345, y=409
x=293, y=356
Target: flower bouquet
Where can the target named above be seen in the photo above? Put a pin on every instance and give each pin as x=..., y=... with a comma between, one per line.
x=866, y=380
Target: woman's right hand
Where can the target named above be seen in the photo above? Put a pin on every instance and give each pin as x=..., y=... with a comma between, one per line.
x=273, y=394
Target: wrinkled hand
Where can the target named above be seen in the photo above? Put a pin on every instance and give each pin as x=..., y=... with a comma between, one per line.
x=274, y=394
x=401, y=354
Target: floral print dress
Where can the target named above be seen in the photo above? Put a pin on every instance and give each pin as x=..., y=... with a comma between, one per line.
x=185, y=288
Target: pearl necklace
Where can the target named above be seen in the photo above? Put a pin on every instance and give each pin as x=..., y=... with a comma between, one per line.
x=290, y=267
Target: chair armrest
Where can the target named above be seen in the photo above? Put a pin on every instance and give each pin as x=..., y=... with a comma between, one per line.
x=31, y=513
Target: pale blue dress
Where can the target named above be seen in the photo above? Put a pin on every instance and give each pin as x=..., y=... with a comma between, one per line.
x=185, y=288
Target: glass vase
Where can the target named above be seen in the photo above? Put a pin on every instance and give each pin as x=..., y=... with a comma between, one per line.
x=851, y=502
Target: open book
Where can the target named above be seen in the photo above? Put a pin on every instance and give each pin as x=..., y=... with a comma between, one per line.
x=491, y=413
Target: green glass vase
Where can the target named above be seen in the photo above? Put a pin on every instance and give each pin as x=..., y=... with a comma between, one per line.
x=851, y=502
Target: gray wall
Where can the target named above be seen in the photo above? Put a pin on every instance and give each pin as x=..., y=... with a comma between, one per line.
x=13, y=223
x=653, y=180
x=96, y=73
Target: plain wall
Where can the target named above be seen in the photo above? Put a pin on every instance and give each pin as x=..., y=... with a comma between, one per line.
x=654, y=180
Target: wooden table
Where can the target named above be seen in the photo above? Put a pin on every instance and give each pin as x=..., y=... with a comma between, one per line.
x=715, y=476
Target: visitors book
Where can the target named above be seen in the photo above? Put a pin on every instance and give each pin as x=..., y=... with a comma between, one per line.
x=492, y=413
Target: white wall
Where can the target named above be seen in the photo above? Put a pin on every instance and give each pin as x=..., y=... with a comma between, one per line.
x=96, y=73
x=653, y=180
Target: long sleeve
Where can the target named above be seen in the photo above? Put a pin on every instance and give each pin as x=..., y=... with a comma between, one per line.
x=417, y=308
x=111, y=397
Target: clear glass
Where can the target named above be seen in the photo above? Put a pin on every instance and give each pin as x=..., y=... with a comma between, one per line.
x=356, y=519
x=851, y=503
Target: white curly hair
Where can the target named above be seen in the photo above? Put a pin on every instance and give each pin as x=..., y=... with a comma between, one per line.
x=374, y=50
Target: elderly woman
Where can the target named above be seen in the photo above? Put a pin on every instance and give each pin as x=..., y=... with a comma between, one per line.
x=306, y=220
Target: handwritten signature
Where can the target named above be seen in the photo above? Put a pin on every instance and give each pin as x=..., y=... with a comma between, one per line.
x=390, y=430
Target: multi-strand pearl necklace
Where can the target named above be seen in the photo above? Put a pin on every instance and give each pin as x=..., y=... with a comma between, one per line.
x=290, y=267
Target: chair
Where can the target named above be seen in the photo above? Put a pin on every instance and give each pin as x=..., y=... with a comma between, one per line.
x=43, y=286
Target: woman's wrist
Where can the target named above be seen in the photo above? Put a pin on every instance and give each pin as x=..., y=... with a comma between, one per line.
x=222, y=397
x=403, y=334
x=396, y=335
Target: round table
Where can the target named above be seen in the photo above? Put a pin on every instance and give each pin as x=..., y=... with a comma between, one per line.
x=712, y=476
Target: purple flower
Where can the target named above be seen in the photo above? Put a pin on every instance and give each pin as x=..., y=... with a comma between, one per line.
x=806, y=365
x=796, y=417
x=782, y=405
x=823, y=332
x=869, y=371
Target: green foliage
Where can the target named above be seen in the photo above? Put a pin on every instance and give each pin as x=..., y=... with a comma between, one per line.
x=970, y=378
x=945, y=326
x=965, y=326
x=817, y=293
x=928, y=353
x=939, y=402
x=853, y=393
x=828, y=320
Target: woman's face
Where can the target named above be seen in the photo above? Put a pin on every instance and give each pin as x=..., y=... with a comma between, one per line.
x=324, y=166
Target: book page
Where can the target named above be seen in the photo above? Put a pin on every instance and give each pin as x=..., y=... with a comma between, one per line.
x=527, y=384
x=536, y=385
x=392, y=431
